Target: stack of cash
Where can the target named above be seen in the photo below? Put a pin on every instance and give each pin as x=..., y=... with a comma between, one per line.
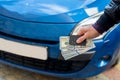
x=69, y=51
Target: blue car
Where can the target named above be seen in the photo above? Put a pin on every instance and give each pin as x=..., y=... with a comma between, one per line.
x=30, y=32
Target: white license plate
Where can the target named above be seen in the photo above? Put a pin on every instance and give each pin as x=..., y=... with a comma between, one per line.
x=32, y=51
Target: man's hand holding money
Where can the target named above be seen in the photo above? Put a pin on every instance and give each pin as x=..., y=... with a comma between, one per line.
x=88, y=33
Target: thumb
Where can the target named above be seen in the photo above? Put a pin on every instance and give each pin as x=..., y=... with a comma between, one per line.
x=81, y=39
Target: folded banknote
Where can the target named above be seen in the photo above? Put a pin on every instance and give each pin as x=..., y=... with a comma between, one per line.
x=69, y=51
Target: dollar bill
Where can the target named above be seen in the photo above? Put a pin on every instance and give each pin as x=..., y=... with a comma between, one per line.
x=64, y=42
x=90, y=43
x=69, y=54
x=68, y=51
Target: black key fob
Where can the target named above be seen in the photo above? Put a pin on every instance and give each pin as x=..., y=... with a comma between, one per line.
x=73, y=38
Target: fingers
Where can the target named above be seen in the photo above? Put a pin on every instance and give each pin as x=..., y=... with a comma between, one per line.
x=82, y=31
x=81, y=39
x=88, y=33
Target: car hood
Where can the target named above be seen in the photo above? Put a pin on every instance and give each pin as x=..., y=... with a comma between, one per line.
x=54, y=11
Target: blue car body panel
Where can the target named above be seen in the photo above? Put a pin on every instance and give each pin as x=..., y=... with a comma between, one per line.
x=18, y=17
x=48, y=20
x=60, y=11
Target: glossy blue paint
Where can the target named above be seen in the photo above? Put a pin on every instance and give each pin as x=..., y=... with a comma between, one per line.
x=42, y=31
x=21, y=17
x=50, y=19
x=60, y=11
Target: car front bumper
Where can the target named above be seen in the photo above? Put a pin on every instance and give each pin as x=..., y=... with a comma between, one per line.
x=81, y=68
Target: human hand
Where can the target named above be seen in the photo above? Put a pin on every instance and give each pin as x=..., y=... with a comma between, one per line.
x=88, y=33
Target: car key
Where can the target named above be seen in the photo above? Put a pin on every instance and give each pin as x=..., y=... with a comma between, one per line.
x=73, y=38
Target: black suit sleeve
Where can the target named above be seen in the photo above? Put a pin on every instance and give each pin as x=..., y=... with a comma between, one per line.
x=110, y=17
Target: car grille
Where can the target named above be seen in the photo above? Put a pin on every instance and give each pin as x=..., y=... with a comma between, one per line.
x=53, y=65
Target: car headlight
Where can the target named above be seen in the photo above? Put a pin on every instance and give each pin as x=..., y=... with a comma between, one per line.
x=86, y=22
